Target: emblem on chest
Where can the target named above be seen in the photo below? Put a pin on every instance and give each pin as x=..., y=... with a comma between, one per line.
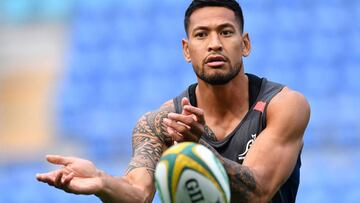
x=241, y=156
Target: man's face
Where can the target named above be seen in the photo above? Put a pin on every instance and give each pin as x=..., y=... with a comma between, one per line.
x=215, y=45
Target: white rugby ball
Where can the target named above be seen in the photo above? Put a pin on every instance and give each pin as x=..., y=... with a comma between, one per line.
x=191, y=173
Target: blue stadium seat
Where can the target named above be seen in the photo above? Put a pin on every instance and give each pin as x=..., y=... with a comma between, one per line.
x=353, y=42
x=257, y=22
x=293, y=57
x=348, y=111
x=320, y=50
x=331, y=19
x=313, y=138
x=320, y=111
x=320, y=79
x=156, y=92
x=290, y=21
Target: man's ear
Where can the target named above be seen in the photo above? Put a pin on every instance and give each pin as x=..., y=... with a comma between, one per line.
x=186, y=52
x=246, y=49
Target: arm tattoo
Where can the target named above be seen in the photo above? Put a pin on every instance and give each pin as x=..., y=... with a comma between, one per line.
x=210, y=135
x=149, y=140
x=242, y=182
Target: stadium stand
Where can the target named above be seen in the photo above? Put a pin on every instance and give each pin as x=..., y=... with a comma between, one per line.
x=125, y=59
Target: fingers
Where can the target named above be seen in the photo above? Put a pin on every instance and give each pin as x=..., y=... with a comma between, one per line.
x=62, y=181
x=186, y=119
x=190, y=122
x=199, y=113
x=185, y=101
x=177, y=137
x=67, y=178
x=55, y=176
x=59, y=179
x=177, y=126
x=179, y=131
x=40, y=177
x=59, y=160
x=49, y=177
x=189, y=125
x=189, y=109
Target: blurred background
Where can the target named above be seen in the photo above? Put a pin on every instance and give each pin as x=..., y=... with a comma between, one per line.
x=75, y=75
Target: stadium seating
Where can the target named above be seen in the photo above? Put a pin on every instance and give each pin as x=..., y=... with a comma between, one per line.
x=126, y=59
x=303, y=44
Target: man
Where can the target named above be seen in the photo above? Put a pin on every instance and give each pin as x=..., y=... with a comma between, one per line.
x=254, y=126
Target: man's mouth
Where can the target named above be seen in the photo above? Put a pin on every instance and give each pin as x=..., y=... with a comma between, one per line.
x=215, y=60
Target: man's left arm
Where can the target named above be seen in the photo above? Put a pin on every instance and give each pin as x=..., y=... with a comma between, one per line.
x=273, y=156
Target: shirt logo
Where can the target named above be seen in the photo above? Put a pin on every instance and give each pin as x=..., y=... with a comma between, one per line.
x=241, y=157
x=260, y=106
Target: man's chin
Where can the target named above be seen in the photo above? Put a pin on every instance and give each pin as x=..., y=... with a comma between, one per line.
x=216, y=81
x=217, y=76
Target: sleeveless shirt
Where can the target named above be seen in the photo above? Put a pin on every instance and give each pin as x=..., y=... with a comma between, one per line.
x=236, y=145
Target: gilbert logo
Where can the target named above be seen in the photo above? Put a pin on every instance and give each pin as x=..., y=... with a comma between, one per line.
x=192, y=186
x=241, y=157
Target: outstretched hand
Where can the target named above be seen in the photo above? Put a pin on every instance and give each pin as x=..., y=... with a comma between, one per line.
x=187, y=126
x=78, y=176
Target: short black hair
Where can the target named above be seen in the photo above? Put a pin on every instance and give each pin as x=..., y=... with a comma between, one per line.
x=230, y=4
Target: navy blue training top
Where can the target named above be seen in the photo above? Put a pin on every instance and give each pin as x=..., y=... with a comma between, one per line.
x=236, y=145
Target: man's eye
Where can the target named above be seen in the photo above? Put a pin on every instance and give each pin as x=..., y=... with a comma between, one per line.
x=200, y=35
x=226, y=33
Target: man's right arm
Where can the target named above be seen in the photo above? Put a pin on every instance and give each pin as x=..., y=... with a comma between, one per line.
x=80, y=176
x=149, y=140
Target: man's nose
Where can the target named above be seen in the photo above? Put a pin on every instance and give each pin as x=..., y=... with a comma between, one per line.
x=215, y=43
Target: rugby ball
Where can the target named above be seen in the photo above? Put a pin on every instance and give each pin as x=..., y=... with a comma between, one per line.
x=190, y=173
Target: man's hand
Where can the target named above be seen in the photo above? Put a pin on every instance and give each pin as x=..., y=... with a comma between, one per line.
x=77, y=176
x=187, y=126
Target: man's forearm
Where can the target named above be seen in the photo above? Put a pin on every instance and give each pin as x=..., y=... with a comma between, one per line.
x=119, y=190
x=149, y=140
x=242, y=180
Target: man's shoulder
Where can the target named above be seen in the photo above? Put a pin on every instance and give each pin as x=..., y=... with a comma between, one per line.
x=167, y=106
x=156, y=116
x=151, y=125
x=287, y=95
x=290, y=107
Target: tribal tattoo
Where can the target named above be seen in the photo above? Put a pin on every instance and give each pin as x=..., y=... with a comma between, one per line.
x=149, y=140
x=210, y=135
x=243, y=184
